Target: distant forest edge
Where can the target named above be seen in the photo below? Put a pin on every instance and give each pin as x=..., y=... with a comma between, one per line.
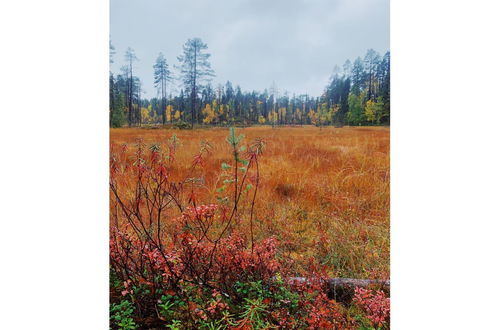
x=358, y=94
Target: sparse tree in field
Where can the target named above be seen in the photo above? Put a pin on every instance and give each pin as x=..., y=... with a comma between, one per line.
x=117, y=102
x=169, y=113
x=229, y=102
x=130, y=57
x=112, y=89
x=218, y=110
x=112, y=98
x=273, y=117
x=282, y=114
x=207, y=96
x=374, y=111
x=145, y=115
x=371, y=61
x=356, y=115
x=332, y=112
x=209, y=114
x=194, y=69
x=336, y=72
x=130, y=86
x=238, y=98
x=347, y=68
x=323, y=113
x=370, y=111
x=385, y=87
x=223, y=112
x=312, y=115
x=297, y=116
x=358, y=75
x=162, y=76
x=336, y=95
x=304, y=99
x=274, y=92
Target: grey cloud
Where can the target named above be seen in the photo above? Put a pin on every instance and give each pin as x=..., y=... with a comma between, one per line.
x=295, y=43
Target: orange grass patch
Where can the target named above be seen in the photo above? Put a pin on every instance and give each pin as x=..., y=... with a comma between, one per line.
x=324, y=192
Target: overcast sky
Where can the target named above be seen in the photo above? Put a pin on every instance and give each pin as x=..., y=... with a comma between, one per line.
x=252, y=43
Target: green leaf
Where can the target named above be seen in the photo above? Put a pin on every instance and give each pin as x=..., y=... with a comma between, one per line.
x=225, y=166
x=231, y=139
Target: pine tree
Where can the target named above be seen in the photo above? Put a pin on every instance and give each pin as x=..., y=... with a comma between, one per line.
x=371, y=61
x=194, y=69
x=130, y=57
x=162, y=75
x=358, y=75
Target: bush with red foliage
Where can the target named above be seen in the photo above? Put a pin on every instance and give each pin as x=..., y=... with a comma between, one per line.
x=375, y=304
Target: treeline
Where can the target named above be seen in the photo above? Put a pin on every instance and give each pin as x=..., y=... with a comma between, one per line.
x=358, y=94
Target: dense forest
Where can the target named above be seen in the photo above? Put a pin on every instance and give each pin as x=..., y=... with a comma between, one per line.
x=358, y=93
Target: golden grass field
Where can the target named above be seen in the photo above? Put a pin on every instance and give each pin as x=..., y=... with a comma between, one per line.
x=324, y=192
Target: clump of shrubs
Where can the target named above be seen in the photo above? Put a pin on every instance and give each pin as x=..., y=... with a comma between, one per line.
x=181, y=125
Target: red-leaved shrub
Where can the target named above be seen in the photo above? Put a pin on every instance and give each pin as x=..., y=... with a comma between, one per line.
x=375, y=304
